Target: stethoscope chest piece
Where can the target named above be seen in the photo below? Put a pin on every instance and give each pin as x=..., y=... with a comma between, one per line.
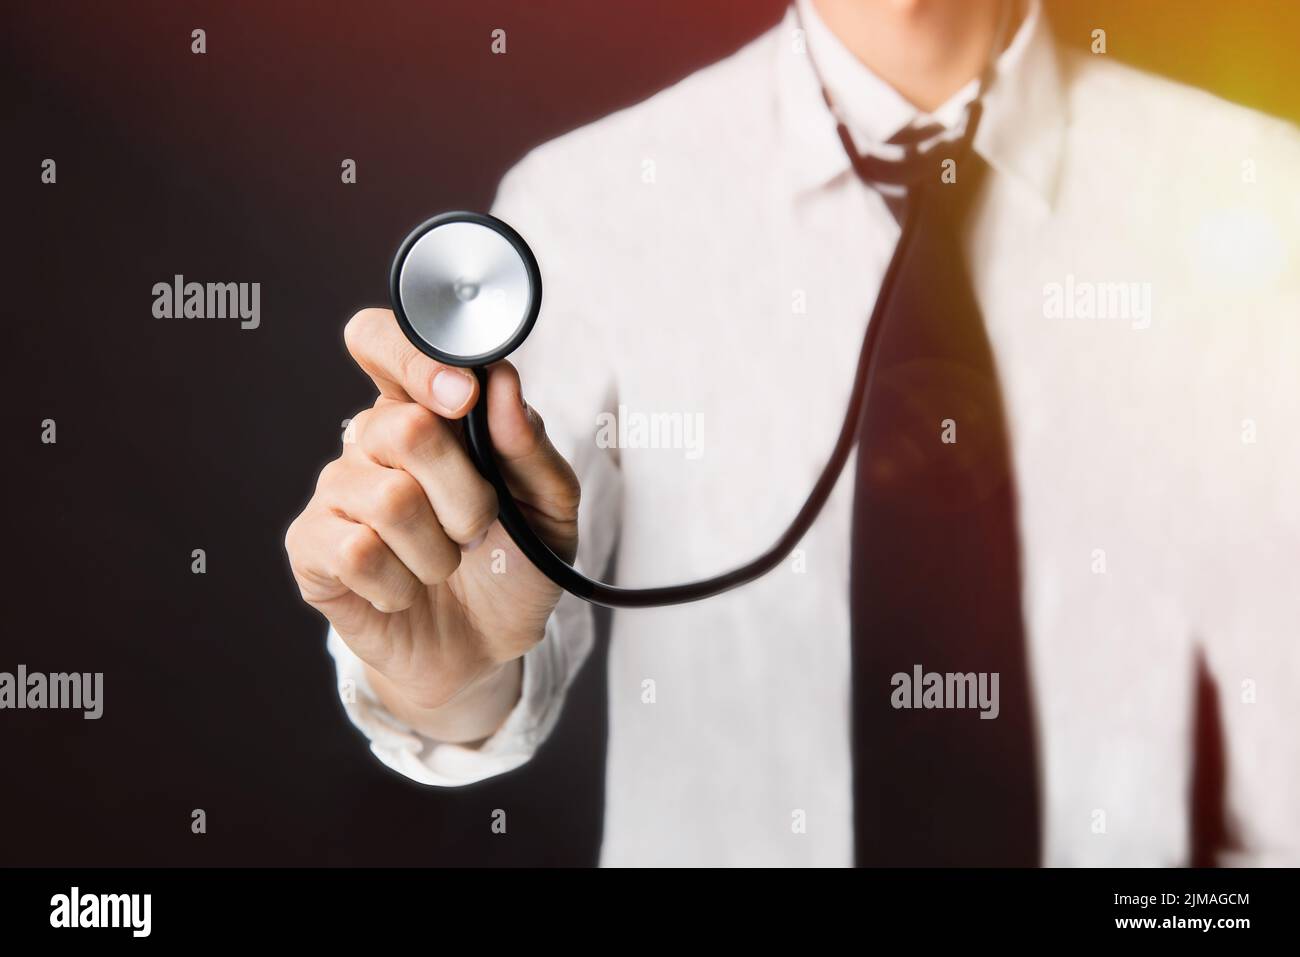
x=465, y=288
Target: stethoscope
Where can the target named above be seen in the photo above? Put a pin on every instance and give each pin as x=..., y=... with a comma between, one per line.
x=466, y=291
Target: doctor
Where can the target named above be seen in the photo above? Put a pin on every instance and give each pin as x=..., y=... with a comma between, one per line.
x=717, y=249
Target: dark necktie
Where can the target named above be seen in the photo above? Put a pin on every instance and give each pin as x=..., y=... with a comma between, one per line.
x=935, y=573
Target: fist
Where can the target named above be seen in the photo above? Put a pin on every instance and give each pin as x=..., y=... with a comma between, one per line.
x=400, y=547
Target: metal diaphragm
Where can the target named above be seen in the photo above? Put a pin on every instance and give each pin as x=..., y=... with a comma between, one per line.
x=465, y=288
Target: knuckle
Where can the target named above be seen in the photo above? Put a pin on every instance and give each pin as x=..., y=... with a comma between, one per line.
x=415, y=429
x=292, y=536
x=359, y=423
x=330, y=476
x=444, y=565
x=397, y=499
x=568, y=490
x=537, y=440
x=474, y=518
x=538, y=423
x=308, y=589
x=535, y=434
x=563, y=494
x=410, y=363
x=360, y=552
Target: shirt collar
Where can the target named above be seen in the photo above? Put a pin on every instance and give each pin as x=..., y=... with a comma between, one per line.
x=1020, y=134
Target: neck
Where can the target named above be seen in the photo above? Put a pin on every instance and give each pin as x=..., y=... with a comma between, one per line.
x=927, y=50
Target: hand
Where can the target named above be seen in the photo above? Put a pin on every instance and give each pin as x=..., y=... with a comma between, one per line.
x=400, y=548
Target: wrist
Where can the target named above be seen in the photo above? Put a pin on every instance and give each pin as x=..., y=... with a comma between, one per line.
x=469, y=718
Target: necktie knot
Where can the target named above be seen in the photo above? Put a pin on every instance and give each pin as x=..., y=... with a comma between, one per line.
x=916, y=156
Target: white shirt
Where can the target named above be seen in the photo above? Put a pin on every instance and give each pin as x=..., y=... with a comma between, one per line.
x=709, y=253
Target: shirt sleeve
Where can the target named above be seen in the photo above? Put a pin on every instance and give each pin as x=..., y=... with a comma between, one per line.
x=548, y=669
x=567, y=377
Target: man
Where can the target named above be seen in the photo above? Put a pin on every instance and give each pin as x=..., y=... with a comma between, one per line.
x=715, y=252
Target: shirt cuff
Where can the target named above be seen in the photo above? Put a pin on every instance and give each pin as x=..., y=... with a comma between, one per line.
x=443, y=764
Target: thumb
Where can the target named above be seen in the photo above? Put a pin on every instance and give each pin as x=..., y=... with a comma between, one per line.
x=537, y=474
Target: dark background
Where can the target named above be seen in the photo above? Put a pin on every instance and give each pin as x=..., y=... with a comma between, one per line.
x=175, y=435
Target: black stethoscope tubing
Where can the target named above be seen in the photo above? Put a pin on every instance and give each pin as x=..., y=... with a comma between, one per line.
x=478, y=440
